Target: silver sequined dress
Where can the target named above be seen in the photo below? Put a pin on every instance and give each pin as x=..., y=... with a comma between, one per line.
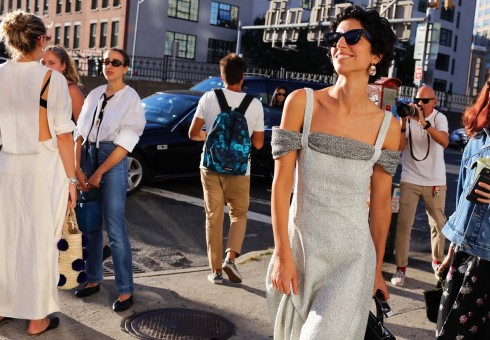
x=329, y=233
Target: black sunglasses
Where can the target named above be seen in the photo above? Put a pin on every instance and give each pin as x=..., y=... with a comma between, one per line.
x=113, y=62
x=351, y=37
x=280, y=94
x=424, y=100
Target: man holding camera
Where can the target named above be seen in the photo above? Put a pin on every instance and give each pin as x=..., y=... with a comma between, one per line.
x=424, y=137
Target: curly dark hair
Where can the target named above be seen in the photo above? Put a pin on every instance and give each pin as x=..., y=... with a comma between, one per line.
x=384, y=39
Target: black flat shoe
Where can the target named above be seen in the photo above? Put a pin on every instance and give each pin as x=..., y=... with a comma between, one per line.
x=87, y=291
x=106, y=252
x=53, y=323
x=119, y=306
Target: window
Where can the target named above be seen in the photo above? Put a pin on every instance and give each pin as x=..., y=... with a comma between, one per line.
x=57, y=35
x=93, y=35
x=28, y=6
x=116, y=3
x=19, y=4
x=306, y=4
x=36, y=6
x=68, y=6
x=224, y=15
x=105, y=3
x=439, y=85
x=66, y=37
x=2, y=3
x=186, y=44
x=59, y=5
x=114, y=33
x=10, y=5
x=76, y=36
x=453, y=64
x=447, y=14
x=217, y=49
x=458, y=17
x=422, y=6
x=78, y=5
x=455, y=43
x=445, y=37
x=46, y=7
x=183, y=9
x=103, y=35
x=442, y=62
x=94, y=4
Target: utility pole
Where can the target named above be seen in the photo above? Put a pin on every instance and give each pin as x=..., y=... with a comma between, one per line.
x=135, y=34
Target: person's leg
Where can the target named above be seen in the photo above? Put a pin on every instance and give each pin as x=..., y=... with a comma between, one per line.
x=237, y=196
x=214, y=202
x=113, y=193
x=409, y=198
x=434, y=205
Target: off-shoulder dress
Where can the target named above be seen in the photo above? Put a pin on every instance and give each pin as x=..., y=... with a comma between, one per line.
x=329, y=233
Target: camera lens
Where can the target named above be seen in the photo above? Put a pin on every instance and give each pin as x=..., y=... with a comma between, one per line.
x=405, y=110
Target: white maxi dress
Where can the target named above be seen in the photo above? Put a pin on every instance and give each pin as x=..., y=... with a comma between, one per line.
x=33, y=190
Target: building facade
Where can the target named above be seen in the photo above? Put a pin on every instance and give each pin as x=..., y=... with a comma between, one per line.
x=480, y=56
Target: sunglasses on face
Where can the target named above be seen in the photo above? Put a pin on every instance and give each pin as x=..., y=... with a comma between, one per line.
x=113, y=62
x=423, y=100
x=46, y=36
x=351, y=37
x=280, y=94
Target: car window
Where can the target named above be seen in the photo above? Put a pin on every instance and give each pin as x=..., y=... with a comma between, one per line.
x=166, y=109
x=256, y=87
x=272, y=117
x=208, y=84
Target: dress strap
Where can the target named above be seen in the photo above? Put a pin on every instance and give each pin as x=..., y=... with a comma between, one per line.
x=308, y=115
x=381, y=135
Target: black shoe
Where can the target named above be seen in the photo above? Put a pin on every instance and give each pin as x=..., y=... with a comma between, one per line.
x=53, y=323
x=119, y=306
x=87, y=291
x=106, y=252
x=5, y=318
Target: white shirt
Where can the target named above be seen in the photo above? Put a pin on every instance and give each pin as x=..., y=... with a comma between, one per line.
x=123, y=120
x=21, y=85
x=432, y=170
x=208, y=109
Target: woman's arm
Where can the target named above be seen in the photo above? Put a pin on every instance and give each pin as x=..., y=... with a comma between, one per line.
x=380, y=207
x=115, y=157
x=65, y=146
x=284, y=272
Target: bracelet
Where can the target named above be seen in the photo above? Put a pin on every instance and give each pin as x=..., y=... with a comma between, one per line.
x=73, y=180
x=403, y=129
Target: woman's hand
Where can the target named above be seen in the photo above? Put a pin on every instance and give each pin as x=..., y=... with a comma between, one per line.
x=82, y=180
x=94, y=180
x=283, y=275
x=485, y=194
x=379, y=283
x=72, y=196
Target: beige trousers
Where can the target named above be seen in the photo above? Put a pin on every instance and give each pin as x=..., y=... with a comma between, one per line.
x=434, y=207
x=220, y=189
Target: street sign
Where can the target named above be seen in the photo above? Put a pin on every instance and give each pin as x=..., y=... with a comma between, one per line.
x=419, y=72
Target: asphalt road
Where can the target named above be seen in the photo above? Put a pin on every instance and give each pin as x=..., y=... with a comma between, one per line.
x=165, y=221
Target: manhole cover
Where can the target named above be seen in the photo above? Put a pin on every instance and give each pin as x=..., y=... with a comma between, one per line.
x=178, y=324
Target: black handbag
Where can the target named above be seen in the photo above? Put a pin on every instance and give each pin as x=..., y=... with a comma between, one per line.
x=432, y=298
x=375, y=329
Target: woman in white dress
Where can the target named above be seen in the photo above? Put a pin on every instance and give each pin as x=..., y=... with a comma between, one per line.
x=37, y=174
x=329, y=245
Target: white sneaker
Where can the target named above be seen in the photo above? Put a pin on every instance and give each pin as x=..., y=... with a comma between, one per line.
x=230, y=269
x=435, y=267
x=215, y=278
x=398, y=279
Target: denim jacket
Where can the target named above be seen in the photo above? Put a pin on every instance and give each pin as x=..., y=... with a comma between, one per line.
x=469, y=225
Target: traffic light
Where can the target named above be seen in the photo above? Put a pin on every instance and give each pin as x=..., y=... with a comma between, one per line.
x=433, y=3
x=448, y=4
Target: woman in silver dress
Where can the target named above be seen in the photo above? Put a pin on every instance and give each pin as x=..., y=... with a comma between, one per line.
x=329, y=245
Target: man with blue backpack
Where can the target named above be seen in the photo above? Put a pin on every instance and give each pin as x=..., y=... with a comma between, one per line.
x=234, y=123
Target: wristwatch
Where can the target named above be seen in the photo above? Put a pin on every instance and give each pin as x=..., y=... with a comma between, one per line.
x=427, y=125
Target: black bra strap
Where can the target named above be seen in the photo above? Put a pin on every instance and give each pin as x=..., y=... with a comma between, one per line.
x=45, y=85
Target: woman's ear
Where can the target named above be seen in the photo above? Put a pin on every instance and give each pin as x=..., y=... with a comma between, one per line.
x=377, y=58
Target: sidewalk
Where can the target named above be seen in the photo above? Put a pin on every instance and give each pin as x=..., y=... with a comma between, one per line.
x=243, y=305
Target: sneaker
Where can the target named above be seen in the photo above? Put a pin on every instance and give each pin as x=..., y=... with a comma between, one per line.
x=435, y=267
x=398, y=279
x=232, y=272
x=215, y=278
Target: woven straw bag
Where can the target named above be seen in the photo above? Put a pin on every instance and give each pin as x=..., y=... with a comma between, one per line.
x=70, y=262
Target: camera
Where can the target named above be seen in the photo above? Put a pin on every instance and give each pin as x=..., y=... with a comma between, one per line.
x=404, y=109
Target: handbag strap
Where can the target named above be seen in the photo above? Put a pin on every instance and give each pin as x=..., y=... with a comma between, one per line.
x=70, y=226
x=379, y=312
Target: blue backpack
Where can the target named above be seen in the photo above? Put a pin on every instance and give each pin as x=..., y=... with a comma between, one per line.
x=227, y=146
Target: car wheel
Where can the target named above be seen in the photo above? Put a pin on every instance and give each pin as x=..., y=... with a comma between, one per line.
x=136, y=173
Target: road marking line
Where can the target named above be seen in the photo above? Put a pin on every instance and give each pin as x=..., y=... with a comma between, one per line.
x=200, y=203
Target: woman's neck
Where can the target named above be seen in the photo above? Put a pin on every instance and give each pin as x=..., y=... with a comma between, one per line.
x=114, y=87
x=24, y=58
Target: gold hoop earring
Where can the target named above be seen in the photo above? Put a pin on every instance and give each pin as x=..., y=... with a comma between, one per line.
x=372, y=70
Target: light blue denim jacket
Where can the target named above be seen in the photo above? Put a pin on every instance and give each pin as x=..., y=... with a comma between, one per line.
x=469, y=225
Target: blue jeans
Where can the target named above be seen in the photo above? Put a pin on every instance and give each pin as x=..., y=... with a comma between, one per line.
x=113, y=187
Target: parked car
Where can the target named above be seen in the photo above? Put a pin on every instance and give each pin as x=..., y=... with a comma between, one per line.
x=259, y=86
x=458, y=138
x=165, y=150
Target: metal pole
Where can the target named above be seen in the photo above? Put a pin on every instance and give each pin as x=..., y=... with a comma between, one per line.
x=135, y=34
x=239, y=38
x=424, y=50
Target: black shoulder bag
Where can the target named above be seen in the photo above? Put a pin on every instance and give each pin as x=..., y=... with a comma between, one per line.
x=375, y=329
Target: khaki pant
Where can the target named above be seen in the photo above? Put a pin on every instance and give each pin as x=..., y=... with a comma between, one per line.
x=219, y=189
x=434, y=207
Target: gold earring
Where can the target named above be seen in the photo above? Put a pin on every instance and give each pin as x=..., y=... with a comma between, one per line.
x=372, y=70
